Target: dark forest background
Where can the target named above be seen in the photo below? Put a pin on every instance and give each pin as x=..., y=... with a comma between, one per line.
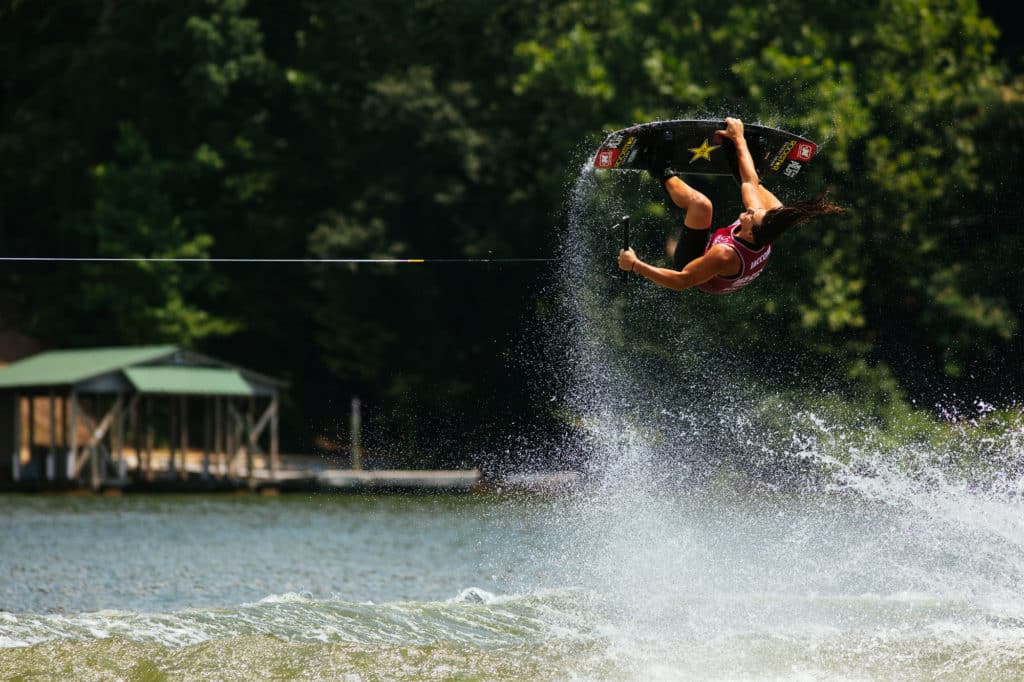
x=441, y=129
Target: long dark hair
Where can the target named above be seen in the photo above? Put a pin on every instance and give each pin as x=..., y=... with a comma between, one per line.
x=778, y=220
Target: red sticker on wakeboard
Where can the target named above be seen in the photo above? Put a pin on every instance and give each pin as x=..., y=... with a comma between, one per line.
x=803, y=151
x=606, y=158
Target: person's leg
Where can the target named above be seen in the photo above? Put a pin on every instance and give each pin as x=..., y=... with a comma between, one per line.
x=693, y=237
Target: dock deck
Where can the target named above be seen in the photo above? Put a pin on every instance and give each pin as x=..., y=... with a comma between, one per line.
x=307, y=473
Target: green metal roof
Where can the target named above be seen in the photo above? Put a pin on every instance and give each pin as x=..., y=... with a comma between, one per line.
x=190, y=380
x=63, y=367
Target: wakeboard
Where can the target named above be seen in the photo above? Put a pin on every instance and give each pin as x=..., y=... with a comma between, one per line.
x=691, y=147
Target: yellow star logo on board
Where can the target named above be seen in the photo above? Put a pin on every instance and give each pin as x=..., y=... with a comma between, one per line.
x=703, y=151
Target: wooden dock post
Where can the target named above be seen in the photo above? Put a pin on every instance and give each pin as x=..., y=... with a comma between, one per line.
x=250, y=449
x=150, y=438
x=16, y=451
x=133, y=416
x=275, y=449
x=31, y=429
x=119, y=435
x=206, y=438
x=230, y=436
x=73, y=436
x=51, y=455
x=94, y=467
x=219, y=437
x=172, y=438
x=184, y=437
x=355, y=428
x=238, y=441
x=59, y=471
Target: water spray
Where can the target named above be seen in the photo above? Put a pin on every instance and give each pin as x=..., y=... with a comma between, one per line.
x=624, y=224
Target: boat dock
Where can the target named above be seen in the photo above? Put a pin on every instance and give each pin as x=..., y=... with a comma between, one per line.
x=166, y=419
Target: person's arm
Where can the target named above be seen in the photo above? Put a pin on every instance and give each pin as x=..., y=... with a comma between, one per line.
x=753, y=193
x=717, y=260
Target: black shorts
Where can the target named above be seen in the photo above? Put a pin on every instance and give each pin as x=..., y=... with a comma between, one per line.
x=692, y=244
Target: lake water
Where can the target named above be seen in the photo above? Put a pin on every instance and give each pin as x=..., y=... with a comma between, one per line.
x=708, y=583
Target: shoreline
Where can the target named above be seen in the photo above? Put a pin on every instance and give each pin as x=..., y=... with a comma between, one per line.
x=308, y=480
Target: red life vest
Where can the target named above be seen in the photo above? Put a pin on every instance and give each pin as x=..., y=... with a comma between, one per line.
x=752, y=262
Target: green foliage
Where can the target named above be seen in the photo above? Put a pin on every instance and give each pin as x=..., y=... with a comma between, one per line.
x=425, y=129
